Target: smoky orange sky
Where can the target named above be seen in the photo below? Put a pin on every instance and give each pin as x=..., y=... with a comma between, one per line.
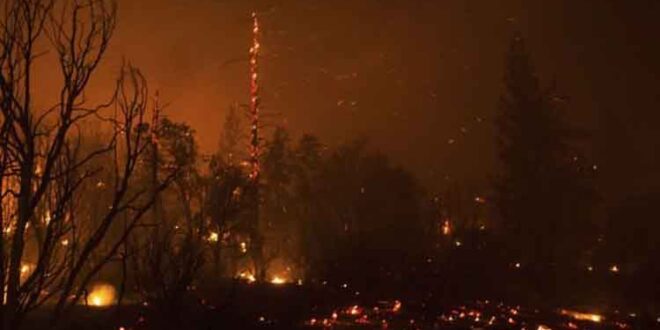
x=419, y=79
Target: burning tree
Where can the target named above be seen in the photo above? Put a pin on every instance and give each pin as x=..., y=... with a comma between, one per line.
x=50, y=248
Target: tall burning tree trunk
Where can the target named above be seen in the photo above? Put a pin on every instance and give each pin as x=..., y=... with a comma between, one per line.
x=256, y=238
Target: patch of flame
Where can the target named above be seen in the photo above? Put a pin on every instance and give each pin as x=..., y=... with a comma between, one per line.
x=247, y=276
x=213, y=237
x=101, y=295
x=278, y=280
x=578, y=316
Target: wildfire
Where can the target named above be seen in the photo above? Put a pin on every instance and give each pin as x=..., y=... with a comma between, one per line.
x=578, y=316
x=101, y=295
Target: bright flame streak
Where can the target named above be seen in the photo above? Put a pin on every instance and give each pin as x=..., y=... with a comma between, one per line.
x=101, y=295
x=278, y=280
x=397, y=306
x=582, y=316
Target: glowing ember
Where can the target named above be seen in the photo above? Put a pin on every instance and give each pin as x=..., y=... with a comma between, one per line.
x=247, y=276
x=578, y=316
x=397, y=306
x=213, y=237
x=614, y=269
x=446, y=228
x=101, y=295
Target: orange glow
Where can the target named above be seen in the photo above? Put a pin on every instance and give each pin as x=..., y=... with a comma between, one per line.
x=247, y=276
x=101, y=295
x=578, y=316
x=213, y=237
x=446, y=228
x=278, y=280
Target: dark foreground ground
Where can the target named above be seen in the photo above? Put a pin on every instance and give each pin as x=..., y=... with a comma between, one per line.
x=460, y=294
x=239, y=305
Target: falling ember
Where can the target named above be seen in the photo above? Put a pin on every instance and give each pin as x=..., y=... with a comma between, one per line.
x=397, y=306
x=446, y=228
x=213, y=237
x=614, y=269
x=101, y=295
x=581, y=316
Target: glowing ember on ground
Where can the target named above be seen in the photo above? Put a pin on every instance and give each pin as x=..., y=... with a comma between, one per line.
x=277, y=280
x=101, y=295
x=578, y=316
x=475, y=315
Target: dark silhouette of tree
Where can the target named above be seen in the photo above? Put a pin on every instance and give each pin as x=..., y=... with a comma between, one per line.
x=49, y=167
x=231, y=149
x=367, y=221
x=543, y=194
x=168, y=259
x=275, y=224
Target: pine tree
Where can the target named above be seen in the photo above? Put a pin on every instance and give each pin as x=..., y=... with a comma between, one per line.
x=543, y=193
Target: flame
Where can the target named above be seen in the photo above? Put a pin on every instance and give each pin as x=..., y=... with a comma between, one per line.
x=277, y=280
x=101, y=295
x=213, y=237
x=578, y=316
x=247, y=276
x=446, y=228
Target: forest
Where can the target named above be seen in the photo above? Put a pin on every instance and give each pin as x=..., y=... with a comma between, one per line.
x=113, y=217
